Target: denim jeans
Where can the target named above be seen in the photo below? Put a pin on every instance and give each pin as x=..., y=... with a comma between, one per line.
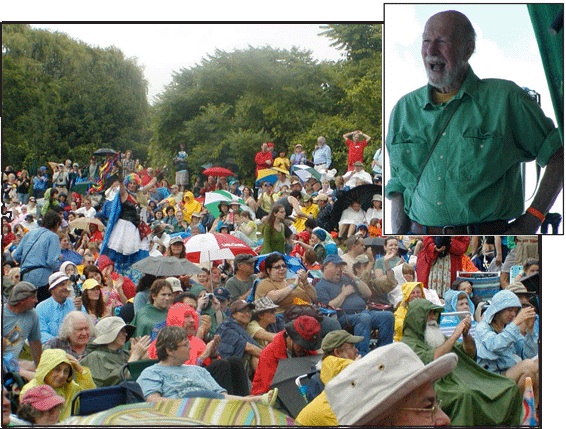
x=366, y=321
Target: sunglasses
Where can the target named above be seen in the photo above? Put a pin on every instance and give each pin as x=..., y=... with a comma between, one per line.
x=278, y=267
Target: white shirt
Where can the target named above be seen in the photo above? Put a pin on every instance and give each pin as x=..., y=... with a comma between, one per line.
x=88, y=213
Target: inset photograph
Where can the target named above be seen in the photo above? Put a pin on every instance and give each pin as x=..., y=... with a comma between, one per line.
x=473, y=119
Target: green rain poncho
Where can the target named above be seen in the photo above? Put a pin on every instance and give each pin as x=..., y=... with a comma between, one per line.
x=471, y=395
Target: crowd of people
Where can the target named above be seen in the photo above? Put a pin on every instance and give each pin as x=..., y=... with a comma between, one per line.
x=315, y=283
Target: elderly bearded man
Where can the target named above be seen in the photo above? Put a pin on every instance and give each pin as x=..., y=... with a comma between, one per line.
x=456, y=146
x=470, y=395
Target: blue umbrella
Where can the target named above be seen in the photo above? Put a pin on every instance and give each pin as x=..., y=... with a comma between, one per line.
x=294, y=264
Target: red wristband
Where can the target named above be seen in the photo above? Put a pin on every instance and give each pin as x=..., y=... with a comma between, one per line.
x=536, y=213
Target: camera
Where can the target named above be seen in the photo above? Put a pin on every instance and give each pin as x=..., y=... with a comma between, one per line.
x=209, y=295
x=74, y=277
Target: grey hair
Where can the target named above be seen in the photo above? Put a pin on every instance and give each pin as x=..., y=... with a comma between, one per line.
x=68, y=324
x=321, y=139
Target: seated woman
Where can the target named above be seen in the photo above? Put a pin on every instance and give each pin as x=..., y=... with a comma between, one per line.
x=93, y=300
x=74, y=335
x=350, y=219
x=228, y=372
x=284, y=292
x=107, y=356
x=411, y=290
x=40, y=406
x=506, y=341
x=456, y=301
x=263, y=315
x=172, y=378
x=63, y=373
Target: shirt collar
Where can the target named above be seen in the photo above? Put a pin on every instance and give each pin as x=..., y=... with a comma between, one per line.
x=469, y=87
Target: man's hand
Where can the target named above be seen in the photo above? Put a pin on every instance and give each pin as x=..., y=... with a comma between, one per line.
x=78, y=302
x=348, y=290
x=526, y=224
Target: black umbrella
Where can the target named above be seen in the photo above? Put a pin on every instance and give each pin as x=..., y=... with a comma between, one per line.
x=531, y=282
x=166, y=266
x=363, y=194
x=287, y=372
x=104, y=151
x=377, y=242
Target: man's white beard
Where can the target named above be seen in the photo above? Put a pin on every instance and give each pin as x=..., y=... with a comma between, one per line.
x=433, y=335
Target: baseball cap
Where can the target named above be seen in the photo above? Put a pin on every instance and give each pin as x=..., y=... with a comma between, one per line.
x=335, y=339
x=305, y=331
x=298, y=145
x=175, y=239
x=42, y=397
x=377, y=197
x=175, y=284
x=362, y=259
x=21, y=291
x=243, y=258
x=222, y=294
x=108, y=328
x=320, y=197
x=358, y=164
x=239, y=305
x=307, y=197
x=264, y=304
x=90, y=284
x=395, y=370
x=335, y=259
x=56, y=279
x=294, y=180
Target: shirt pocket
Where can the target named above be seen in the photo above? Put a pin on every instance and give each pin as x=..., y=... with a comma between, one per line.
x=407, y=154
x=481, y=154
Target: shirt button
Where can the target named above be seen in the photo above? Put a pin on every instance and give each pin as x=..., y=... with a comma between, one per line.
x=439, y=178
x=444, y=133
x=408, y=150
x=441, y=156
x=439, y=203
x=481, y=145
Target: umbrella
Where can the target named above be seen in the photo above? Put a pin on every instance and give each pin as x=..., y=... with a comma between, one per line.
x=294, y=264
x=104, y=151
x=208, y=247
x=362, y=194
x=267, y=175
x=218, y=171
x=166, y=266
x=82, y=187
x=378, y=243
x=212, y=198
x=304, y=172
x=284, y=379
x=186, y=412
x=85, y=222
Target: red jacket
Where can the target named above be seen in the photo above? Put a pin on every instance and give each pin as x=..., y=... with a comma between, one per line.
x=268, y=361
x=260, y=159
x=427, y=256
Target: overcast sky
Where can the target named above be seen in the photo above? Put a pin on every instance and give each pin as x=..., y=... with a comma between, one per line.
x=165, y=48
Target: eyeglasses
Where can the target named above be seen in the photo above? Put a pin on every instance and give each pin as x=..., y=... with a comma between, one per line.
x=278, y=267
x=432, y=410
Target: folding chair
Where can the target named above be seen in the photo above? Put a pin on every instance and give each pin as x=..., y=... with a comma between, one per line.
x=132, y=370
x=485, y=284
x=91, y=401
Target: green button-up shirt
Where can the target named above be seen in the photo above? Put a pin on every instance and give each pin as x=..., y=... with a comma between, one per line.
x=474, y=172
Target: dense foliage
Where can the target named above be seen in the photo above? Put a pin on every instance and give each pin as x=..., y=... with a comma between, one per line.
x=63, y=98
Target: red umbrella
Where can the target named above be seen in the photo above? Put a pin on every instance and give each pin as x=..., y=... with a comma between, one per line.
x=218, y=171
x=212, y=247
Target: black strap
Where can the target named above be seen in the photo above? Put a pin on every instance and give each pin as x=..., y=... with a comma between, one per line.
x=457, y=104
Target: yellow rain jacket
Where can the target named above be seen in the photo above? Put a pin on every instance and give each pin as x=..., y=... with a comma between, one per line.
x=190, y=205
x=318, y=412
x=401, y=311
x=50, y=358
